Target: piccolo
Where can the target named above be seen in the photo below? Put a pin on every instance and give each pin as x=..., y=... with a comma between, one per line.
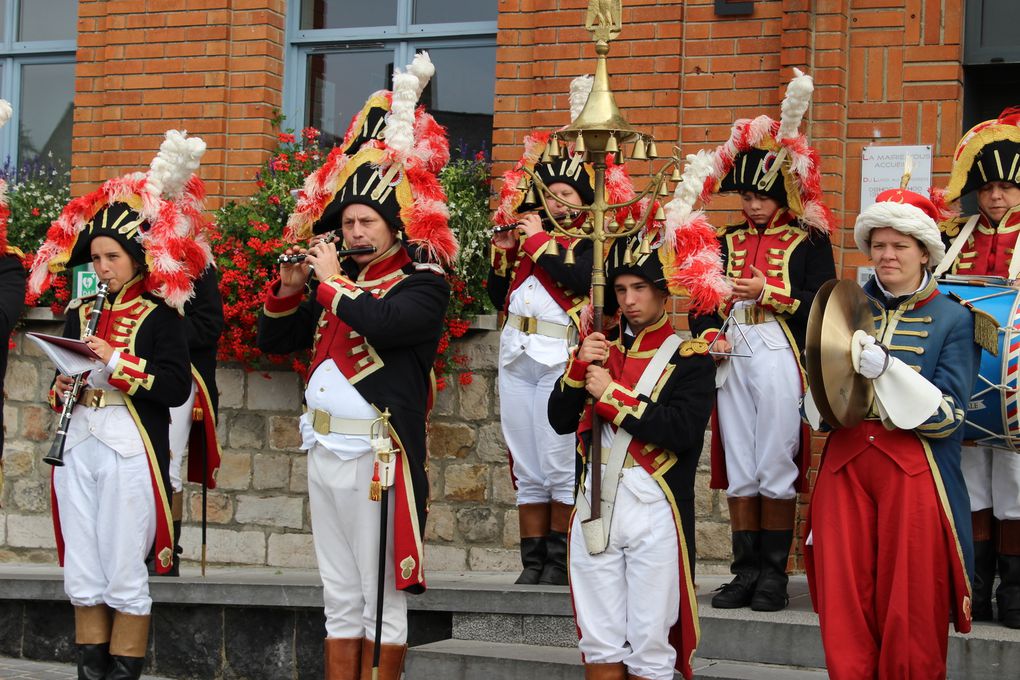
x=570, y=215
x=300, y=257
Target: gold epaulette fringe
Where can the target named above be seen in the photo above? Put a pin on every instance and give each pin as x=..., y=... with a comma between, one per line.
x=986, y=331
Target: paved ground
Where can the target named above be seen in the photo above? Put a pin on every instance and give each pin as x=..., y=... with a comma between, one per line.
x=20, y=669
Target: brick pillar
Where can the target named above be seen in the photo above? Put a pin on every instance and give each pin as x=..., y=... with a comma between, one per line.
x=214, y=69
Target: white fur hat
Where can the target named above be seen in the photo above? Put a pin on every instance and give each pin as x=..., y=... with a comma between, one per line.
x=907, y=212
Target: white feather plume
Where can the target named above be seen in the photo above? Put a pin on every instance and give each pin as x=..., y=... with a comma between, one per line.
x=178, y=158
x=423, y=69
x=5, y=112
x=580, y=88
x=698, y=168
x=795, y=104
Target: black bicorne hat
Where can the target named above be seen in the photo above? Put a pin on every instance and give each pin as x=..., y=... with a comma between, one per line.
x=118, y=221
x=749, y=170
x=625, y=258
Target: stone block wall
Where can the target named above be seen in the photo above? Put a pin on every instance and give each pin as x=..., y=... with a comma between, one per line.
x=258, y=514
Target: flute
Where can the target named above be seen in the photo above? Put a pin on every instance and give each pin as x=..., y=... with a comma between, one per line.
x=300, y=257
x=56, y=454
x=546, y=222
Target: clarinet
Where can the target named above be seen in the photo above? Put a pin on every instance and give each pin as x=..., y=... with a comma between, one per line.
x=56, y=454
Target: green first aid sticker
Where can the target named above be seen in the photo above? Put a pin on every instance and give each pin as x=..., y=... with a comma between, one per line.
x=83, y=281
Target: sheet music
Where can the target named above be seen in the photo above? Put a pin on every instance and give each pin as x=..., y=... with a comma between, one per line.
x=71, y=357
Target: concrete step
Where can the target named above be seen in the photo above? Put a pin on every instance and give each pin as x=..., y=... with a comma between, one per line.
x=473, y=660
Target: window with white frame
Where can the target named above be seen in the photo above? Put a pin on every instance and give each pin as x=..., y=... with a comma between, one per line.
x=341, y=51
x=37, y=55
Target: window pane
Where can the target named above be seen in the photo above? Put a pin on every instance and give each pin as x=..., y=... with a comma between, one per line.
x=48, y=20
x=450, y=11
x=46, y=112
x=347, y=13
x=460, y=95
x=338, y=85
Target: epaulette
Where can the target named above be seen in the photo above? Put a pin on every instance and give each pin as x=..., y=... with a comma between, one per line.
x=78, y=301
x=16, y=252
x=429, y=267
x=693, y=346
x=952, y=227
x=986, y=326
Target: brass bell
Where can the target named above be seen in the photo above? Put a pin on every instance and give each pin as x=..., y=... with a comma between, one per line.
x=554, y=248
x=628, y=259
x=660, y=214
x=653, y=151
x=639, y=150
x=554, y=147
x=611, y=145
x=646, y=247
x=524, y=183
x=532, y=196
x=546, y=156
x=629, y=222
x=614, y=226
x=664, y=189
x=676, y=176
x=569, y=258
x=579, y=144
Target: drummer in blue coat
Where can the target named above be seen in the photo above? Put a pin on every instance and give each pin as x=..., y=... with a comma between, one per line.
x=986, y=244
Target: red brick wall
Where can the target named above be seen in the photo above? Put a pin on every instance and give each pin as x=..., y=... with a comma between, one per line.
x=212, y=67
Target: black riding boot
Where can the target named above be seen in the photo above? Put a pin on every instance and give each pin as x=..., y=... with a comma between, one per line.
x=745, y=524
x=1007, y=595
x=533, y=559
x=555, y=571
x=175, y=567
x=94, y=661
x=984, y=576
x=126, y=668
x=770, y=593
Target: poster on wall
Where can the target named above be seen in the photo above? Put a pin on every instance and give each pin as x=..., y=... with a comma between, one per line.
x=882, y=168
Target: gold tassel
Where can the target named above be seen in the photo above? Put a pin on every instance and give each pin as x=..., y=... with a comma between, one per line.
x=375, y=488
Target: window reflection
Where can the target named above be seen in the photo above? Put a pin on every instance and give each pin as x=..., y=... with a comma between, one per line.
x=46, y=112
x=338, y=85
x=47, y=20
x=450, y=11
x=347, y=13
x=460, y=95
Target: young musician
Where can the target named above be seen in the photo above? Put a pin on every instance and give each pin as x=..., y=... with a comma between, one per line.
x=890, y=556
x=373, y=322
x=111, y=495
x=777, y=254
x=987, y=163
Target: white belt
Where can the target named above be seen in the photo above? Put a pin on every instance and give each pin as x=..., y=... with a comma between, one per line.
x=323, y=423
x=533, y=326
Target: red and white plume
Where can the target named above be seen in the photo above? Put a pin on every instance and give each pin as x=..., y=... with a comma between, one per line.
x=691, y=240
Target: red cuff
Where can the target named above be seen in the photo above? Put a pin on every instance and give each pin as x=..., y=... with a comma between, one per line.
x=278, y=306
x=534, y=243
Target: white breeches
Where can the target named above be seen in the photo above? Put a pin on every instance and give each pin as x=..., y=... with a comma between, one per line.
x=345, y=529
x=180, y=429
x=627, y=598
x=759, y=418
x=993, y=480
x=543, y=460
x=108, y=522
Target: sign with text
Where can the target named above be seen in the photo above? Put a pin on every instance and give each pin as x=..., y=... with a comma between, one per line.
x=83, y=281
x=882, y=168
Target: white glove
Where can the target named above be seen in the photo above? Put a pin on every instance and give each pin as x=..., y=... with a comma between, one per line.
x=874, y=359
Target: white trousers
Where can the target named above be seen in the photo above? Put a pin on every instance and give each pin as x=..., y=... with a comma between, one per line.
x=627, y=598
x=993, y=480
x=180, y=429
x=759, y=418
x=543, y=460
x=108, y=521
x=345, y=529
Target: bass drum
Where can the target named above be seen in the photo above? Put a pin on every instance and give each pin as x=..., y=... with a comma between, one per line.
x=993, y=415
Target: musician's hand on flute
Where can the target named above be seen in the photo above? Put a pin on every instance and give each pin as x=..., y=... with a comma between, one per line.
x=293, y=275
x=531, y=224
x=505, y=240
x=323, y=259
x=101, y=347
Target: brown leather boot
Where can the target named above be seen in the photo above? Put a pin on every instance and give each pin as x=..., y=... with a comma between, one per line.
x=534, y=521
x=605, y=671
x=129, y=639
x=554, y=573
x=342, y=658
x=92, y=626
x=391, y=660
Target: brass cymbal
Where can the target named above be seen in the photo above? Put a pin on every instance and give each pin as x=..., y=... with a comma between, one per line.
x=841, y=394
